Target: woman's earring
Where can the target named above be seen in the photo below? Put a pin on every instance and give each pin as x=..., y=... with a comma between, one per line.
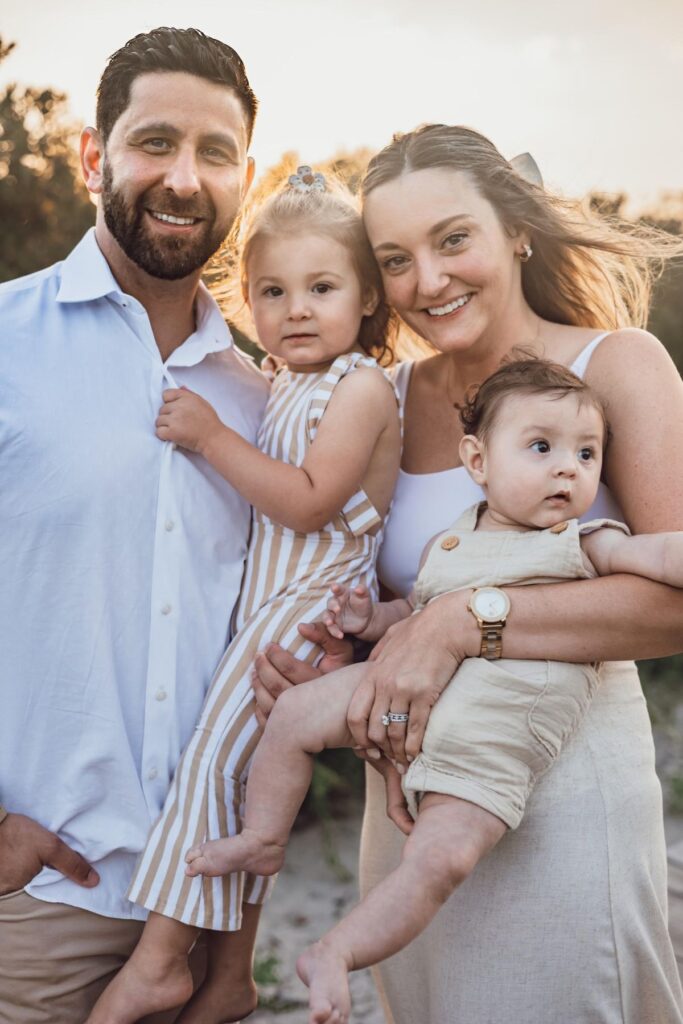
x=526, y=253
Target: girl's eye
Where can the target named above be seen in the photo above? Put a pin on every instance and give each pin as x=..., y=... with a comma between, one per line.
x=586, y=454
x=453, y=240
x=321, y=288
x=273, y=291
x=542, y=447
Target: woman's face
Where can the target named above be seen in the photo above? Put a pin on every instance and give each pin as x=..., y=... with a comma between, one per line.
x=447, y=262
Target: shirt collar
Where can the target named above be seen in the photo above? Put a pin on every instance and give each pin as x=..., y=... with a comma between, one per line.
x=86, y=276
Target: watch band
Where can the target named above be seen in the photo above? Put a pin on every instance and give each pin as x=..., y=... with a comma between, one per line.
x=491, y=640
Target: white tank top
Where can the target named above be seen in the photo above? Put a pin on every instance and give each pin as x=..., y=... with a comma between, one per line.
x=426, y=503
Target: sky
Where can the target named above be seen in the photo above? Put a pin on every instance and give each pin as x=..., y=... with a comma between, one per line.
x=592, y=88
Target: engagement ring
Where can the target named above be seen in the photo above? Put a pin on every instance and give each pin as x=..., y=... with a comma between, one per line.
x=394, y=716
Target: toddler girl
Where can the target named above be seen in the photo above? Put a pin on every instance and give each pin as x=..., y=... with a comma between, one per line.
x=534, y=441
x=320, y=482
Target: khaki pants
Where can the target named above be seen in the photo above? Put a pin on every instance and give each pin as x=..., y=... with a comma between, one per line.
x=55, y=960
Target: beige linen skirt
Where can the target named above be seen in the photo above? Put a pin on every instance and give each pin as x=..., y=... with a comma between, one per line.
x=566, y=920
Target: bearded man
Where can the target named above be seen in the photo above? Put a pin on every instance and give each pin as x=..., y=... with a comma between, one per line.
x=121, y=555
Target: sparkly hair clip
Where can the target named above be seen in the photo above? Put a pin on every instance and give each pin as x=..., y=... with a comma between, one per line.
x=306, y=181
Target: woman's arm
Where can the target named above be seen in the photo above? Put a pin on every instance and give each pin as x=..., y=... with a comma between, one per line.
x=303, y=498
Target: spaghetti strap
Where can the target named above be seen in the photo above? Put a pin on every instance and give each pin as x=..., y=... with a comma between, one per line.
x=580, y=364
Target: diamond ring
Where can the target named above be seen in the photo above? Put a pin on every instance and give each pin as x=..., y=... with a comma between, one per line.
x=394, y=716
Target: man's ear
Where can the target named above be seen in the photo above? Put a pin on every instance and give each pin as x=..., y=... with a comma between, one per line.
x=92, y=159
x=249, y=176
x=473, y=455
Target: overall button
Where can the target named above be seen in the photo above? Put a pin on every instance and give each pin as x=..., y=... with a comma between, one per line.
x=448, y=543
x=559, y=527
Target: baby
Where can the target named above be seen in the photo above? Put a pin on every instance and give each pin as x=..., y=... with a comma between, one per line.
x=535, y=435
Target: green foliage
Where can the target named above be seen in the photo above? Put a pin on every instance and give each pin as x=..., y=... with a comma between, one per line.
x=44, y=207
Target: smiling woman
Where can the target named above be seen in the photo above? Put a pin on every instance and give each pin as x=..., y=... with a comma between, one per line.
x=478, y=261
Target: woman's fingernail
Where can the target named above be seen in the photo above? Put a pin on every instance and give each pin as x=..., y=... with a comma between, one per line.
x=400, y=768
x=409, y=757
x=374, y=754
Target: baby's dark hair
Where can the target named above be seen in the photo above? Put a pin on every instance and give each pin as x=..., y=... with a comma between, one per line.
x=523, y=376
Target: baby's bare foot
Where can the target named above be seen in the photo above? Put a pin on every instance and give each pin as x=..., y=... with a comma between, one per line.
x=246, y=852
x=220, y=1001
x=327, y=975
x=144, y=985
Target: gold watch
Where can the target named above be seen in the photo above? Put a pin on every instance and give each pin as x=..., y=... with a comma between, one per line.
x=490, y=607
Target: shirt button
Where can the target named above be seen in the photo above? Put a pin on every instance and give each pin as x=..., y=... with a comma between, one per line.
x=152, y=774
x=168, y=525
x=166, y=609
x=448, y=543
x=161, y=694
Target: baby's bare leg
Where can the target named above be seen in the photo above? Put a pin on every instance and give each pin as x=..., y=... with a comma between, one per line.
x=305, y=720
x=449, y=839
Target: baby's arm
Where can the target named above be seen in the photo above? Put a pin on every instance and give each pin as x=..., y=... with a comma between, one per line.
x=352, y=610
x=303, y=498
x=658, y=556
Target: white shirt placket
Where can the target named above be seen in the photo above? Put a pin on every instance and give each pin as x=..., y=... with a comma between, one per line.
x=159, y=746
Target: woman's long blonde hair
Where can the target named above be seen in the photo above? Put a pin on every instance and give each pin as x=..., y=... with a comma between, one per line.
x=586, y=270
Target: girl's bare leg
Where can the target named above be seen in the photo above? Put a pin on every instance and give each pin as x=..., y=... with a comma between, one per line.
x=157, y=976
x=305, y=720
x=228, y=992
x=449, y=839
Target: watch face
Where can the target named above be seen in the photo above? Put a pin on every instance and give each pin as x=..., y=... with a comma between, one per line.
x=490, y=604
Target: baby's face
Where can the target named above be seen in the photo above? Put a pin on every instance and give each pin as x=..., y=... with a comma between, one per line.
x=542, y=459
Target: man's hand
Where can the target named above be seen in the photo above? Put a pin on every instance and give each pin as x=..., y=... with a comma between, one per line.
x=26, y=847
x=275, y=670
x=187, y=419
x=348, y=611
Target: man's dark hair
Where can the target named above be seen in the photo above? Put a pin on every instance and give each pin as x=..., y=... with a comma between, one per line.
x=170, y=49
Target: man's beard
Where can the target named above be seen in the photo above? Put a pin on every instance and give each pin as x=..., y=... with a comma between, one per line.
x=166, y=258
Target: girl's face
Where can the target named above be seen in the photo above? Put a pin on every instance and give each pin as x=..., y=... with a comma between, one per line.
x=306, y=299
x=541, y=461
x=447, y=262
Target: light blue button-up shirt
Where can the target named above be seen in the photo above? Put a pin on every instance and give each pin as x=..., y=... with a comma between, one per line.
x=121, y=558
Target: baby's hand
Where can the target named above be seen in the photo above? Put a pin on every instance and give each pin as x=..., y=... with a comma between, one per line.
x=187, y=419
x=349, y=611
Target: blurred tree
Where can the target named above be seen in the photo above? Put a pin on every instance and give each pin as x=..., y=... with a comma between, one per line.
x=44, y=207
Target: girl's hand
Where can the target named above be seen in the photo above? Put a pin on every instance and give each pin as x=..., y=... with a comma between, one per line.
x=411, y=666
x=349, y=611
x=187, y=419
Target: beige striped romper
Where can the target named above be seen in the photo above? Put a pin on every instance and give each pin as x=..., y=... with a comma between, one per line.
x=287, y=581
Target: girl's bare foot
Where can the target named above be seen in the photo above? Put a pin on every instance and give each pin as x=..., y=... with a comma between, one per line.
x=246, y=852
x=327, y=975
x=144, y=985
x=220, y=1000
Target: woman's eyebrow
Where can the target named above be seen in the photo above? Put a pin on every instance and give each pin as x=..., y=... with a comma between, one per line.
x=436, y=229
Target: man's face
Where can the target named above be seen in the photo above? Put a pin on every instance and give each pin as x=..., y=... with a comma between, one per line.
x=175, y=172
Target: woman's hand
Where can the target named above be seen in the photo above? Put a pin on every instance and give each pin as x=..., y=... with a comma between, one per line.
x=411, y=666
x=187, y=419
x=275, y=670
